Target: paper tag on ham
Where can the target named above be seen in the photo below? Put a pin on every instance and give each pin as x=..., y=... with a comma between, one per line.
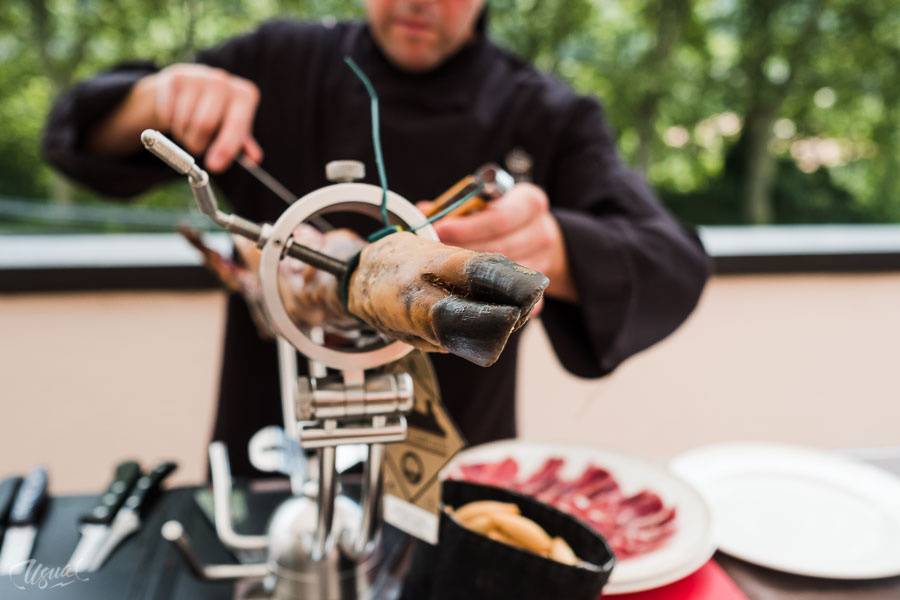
x=412, y=491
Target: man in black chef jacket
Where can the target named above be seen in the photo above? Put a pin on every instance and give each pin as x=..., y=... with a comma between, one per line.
x=623, y=274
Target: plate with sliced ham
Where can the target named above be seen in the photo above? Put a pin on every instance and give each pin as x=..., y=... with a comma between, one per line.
x=657, y=525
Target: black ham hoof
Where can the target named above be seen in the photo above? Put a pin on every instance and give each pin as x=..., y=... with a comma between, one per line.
x=441, y=298
x=475, y=331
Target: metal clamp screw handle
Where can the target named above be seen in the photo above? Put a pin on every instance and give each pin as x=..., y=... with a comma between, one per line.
x=173, y=531
x=222, y=486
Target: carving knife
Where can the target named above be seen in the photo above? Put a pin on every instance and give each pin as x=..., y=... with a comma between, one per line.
x=96, y=524
x=276, y=187
x=26, y=509
x=128, y=519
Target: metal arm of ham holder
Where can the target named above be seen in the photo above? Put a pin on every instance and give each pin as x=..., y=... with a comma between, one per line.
x=349, y=409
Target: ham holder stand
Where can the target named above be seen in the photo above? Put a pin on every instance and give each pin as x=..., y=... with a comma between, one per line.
x=321, y=544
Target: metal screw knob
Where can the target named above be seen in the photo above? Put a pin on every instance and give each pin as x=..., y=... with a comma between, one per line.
x=345, y=171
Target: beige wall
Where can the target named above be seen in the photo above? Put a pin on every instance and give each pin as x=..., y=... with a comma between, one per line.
x=803, y=359
x=91, y=378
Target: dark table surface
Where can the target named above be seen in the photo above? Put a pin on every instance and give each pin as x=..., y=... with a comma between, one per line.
x=146, y=567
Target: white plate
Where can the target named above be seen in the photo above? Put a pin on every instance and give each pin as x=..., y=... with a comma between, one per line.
x=799, y=510
x=686, y=551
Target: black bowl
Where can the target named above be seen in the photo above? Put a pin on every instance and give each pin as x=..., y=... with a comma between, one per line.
x=468, y=565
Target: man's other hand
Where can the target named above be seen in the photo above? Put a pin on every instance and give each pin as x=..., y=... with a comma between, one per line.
x=520, y=226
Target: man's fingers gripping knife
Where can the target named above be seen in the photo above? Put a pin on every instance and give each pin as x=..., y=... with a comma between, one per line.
x=185, y=103
x=236, y=131
x=512, y=212
x=205, y=121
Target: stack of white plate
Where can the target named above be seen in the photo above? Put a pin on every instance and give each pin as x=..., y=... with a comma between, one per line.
x=799, y=510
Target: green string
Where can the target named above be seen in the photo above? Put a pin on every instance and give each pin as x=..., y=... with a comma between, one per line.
x=376, y=136
x=386, y=231
x=383, y=232
x=382, y=175
x=451, y=207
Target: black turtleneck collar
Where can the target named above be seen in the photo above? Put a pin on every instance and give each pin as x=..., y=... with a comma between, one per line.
x=451, y=82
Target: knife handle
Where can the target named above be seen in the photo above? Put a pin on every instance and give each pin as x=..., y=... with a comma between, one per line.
x=8, y=489
x=126, y=474
x=31, y=498
x=148, y=486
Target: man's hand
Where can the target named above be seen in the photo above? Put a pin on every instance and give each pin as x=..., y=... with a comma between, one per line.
x=206, y=109
x=520, y=226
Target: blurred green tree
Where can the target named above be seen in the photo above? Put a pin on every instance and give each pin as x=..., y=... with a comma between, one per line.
x=738, y=111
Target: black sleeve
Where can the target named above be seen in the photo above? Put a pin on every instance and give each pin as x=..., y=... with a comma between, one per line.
x=638, y=272
x=80, y=108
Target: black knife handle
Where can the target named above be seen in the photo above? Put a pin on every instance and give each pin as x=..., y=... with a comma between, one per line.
x=126, y=474
x=8, y=489
x=31, y=498
x=148, y=486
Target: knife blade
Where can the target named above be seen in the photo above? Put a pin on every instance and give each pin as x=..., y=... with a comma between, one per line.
x=8, y=489
x=128, y=519
x=95, y=525
x=26, y=509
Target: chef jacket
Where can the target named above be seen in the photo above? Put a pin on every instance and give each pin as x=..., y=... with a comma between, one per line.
x=638, y=273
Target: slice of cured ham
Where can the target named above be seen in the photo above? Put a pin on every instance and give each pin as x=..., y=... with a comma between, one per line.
x=632, y=524
x=500, y=474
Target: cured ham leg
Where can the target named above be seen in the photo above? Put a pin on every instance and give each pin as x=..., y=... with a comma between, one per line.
x=434, y=297
x=441, y=298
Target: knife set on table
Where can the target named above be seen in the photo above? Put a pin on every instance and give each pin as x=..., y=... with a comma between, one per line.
x=117, y=515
